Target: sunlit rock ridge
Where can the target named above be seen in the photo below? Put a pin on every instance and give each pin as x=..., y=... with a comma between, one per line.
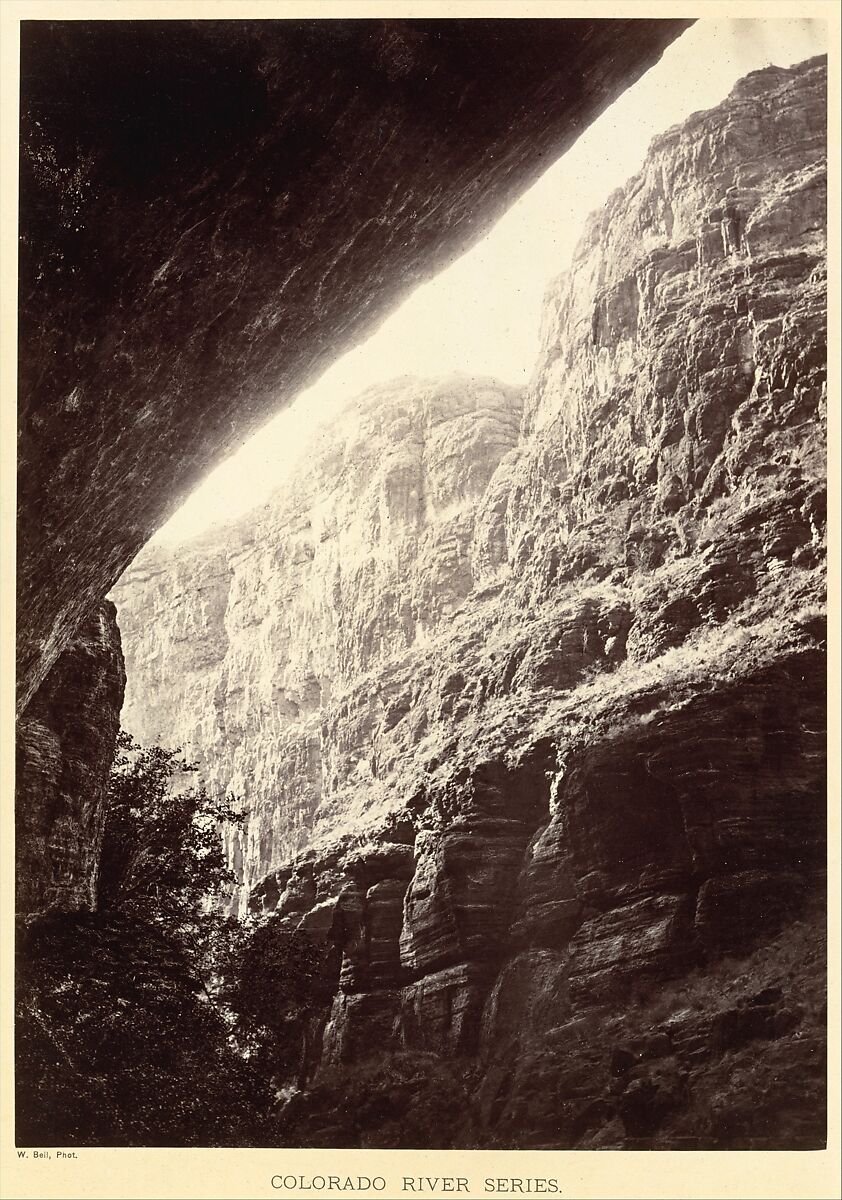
x=525, y=694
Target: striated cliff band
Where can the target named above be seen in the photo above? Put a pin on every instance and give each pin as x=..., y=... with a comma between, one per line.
x=525, y=693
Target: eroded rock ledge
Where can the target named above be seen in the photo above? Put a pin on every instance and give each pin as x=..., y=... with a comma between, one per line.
x=562, y=813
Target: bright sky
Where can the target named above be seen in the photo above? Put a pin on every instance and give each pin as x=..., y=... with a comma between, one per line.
x=482, y=314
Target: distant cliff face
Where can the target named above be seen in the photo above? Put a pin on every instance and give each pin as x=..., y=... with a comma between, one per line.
x=240, y=646
x=530, y=721
x=681, y=380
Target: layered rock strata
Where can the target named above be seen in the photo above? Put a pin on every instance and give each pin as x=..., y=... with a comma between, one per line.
x=211, y=211
x=65, y=745
x=266, y=651
x=555, y=754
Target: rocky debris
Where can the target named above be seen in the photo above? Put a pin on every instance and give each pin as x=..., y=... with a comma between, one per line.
x=65, y=745
x=586, y=782
x=212, y=211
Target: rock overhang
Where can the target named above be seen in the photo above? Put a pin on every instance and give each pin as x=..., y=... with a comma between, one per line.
x=212, y=211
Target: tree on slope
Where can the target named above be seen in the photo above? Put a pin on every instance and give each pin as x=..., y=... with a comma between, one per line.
x=119, y=1041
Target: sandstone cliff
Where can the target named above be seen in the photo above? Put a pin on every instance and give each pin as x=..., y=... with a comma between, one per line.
x=547, y=734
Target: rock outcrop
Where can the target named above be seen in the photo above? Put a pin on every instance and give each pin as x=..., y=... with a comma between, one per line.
x=212, y=211
x=547, y=756
x=65, y=745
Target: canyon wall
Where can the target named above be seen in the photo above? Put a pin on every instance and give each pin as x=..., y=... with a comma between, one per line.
x=244, y=645
x=212, y=211
x=65, y=745
x=525, y=695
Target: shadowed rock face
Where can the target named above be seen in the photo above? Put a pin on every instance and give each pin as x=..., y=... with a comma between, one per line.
x=65, y=745
x=569, y=828
x=212, y=211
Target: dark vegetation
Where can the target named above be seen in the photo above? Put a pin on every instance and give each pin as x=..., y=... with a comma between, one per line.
x=278, y=986
x=117, y=1044
x=157, y=1020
